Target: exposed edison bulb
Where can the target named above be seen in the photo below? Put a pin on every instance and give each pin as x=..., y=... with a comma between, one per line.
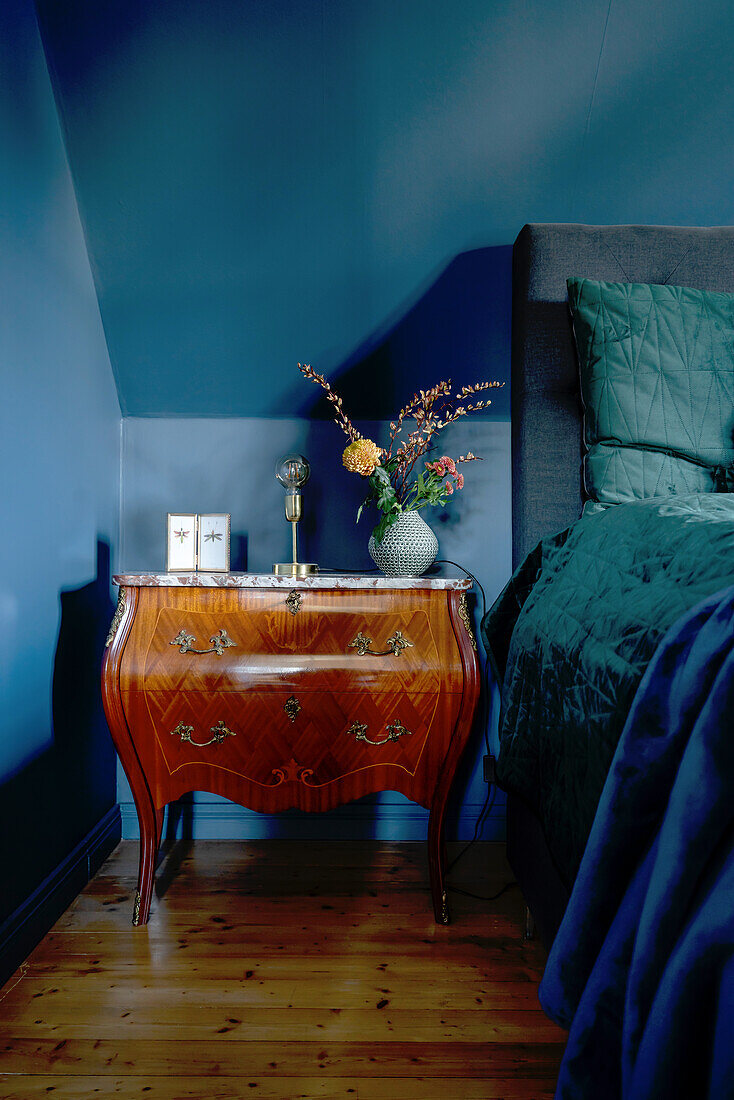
x=292, y=471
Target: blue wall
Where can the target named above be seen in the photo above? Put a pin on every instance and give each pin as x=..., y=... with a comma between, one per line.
x=341, y=182
x=59, y=433
x=279, y=180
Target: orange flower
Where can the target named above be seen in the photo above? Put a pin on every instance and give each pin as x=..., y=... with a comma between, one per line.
x=361, y=457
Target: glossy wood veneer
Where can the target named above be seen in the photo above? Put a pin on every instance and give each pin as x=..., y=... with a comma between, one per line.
x=289, y=702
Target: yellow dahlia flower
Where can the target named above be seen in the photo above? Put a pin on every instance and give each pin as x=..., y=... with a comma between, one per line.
x=362, y=456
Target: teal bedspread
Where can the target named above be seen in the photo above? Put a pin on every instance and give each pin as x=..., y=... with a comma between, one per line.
x=572, y=634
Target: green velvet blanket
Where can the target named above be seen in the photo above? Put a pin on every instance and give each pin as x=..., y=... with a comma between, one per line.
x=572, y=634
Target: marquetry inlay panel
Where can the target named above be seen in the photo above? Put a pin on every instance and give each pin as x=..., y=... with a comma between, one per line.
x=223, y=688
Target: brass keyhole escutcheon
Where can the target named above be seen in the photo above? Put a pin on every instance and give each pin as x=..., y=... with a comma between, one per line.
x=292, y=708
x=293, y=602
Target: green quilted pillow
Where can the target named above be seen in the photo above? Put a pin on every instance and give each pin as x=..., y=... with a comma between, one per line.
x=657, y=382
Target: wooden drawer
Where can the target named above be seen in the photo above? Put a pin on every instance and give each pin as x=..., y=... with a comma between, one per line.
x=252, y=642
x=267, y=739
x=282, y=696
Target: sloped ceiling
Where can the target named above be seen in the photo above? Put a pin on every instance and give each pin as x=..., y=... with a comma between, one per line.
x=267, y=181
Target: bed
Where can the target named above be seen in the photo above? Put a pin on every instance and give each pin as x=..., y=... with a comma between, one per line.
x=611, y=612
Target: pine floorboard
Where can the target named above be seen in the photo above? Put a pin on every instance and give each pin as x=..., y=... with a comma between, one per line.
x=281, y=969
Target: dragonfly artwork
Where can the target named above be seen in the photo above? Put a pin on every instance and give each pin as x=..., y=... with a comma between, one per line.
x=181, y=535
x=213, y=542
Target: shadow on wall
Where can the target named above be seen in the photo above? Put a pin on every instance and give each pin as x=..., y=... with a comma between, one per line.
x=459, y=328
x=48, y=806
x=238, y=552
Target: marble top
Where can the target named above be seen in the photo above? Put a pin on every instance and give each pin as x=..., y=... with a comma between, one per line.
x=269, y=580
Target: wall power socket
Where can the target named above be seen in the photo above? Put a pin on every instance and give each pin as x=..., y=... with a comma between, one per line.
x=489, y=768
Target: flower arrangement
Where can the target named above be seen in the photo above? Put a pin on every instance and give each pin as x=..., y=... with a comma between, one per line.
x=400, y=480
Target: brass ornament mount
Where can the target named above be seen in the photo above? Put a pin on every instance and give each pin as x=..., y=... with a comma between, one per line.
x=117, y=618
x=394, y=731
x=292, y=708
x=395, y=645
x=293, y=602
x=464, y=616
x=219, y=731
x=220, y=642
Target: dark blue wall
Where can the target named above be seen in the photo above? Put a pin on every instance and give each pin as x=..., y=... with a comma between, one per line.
x=280, y=180
x=341, y=181
x=59, y=434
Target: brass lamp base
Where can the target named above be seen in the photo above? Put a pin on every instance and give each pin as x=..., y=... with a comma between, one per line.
x=295, y=569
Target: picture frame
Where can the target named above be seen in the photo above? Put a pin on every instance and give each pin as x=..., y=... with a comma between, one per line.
x=181, y=542
x=212, y=542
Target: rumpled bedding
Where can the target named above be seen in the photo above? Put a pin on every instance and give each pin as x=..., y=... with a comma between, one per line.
x=572, y=635
x=642, y=968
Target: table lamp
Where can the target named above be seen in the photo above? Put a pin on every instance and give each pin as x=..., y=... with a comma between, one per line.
x=292, y=471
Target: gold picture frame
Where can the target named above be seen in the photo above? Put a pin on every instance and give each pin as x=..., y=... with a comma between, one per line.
x=181, y=542
x=212, y=542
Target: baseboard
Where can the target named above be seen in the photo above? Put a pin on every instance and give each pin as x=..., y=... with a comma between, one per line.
x=358, y=821
x=30, y=922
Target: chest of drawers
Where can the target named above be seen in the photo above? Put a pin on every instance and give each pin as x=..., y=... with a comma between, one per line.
x=279, y=693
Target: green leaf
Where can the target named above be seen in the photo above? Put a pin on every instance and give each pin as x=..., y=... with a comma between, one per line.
x=383, y=526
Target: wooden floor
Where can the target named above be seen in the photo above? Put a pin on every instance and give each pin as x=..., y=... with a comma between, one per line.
x=280, y=969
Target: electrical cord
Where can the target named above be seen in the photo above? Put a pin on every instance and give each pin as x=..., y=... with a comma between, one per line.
x=483, y=815
x=478, y=825
x=491, y=787
x=483, y=897
x=485, y=698
x=347, y=572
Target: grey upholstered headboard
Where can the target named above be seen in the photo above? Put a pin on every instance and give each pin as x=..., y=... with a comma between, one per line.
x=546, y=406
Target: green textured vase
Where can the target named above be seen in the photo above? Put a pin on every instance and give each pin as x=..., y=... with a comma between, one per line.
x=408, y=548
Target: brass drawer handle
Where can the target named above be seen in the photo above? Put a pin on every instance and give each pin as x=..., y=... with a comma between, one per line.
x=219, y=730
x=394, y=731
x=220, y=642
x=396, y=644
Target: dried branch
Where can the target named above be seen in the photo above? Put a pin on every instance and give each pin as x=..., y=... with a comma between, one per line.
x=430, y=410
x=339, y=415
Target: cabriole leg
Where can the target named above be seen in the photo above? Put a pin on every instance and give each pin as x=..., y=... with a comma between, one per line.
x=437, y=861
x=159, y=816
x=146, y=869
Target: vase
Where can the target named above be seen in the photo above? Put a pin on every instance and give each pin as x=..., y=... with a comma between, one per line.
x=408, y=548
